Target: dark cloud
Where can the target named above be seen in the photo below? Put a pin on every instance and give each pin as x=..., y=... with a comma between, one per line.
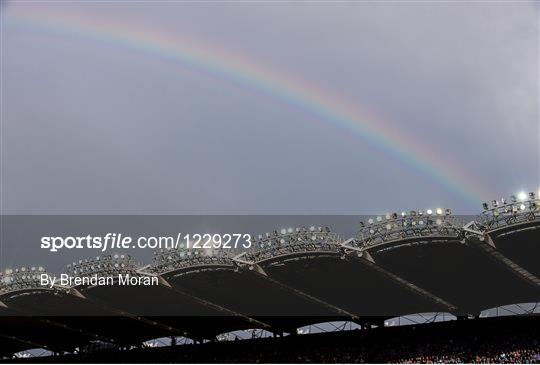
x=90, y=128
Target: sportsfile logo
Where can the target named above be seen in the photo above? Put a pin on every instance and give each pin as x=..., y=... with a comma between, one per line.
x=122, y=241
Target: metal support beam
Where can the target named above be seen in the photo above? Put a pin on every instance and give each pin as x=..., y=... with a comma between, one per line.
x=216, y=307
x=26, y=342
x=19, y=312
x=310, y=298
x=366, y=259
x=487, y=246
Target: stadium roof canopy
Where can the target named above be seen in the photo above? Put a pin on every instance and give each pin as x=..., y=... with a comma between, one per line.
x=415, y=262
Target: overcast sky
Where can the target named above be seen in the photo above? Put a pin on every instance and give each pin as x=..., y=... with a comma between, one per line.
x=90, y=127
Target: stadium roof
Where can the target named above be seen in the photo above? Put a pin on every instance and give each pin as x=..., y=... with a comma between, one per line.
x=397, y=265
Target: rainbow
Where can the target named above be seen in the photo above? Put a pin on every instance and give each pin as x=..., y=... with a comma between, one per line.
x=302, y=95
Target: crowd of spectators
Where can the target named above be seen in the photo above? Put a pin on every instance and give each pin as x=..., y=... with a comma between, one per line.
x=516, y=348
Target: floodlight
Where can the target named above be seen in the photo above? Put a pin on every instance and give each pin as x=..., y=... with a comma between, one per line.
x=429, y=212
x=290, y=230
x=283, y=231
x=522, y=206
x=439, y=211
x=370, y=221
x=403, y=214
x=522, y=196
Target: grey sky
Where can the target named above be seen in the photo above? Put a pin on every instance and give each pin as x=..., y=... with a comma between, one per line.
x=90, y=128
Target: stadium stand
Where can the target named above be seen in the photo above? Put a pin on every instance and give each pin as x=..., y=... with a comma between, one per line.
x=512, y=339
x=398, y=265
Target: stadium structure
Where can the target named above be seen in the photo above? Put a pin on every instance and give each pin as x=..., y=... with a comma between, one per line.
x=398, y=264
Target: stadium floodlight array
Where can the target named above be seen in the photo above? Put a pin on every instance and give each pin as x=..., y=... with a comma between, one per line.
x=293, y=240
x=103, y=266
x=518, y=208
x=171, y=259
x=23, y=278
x=416, y=223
